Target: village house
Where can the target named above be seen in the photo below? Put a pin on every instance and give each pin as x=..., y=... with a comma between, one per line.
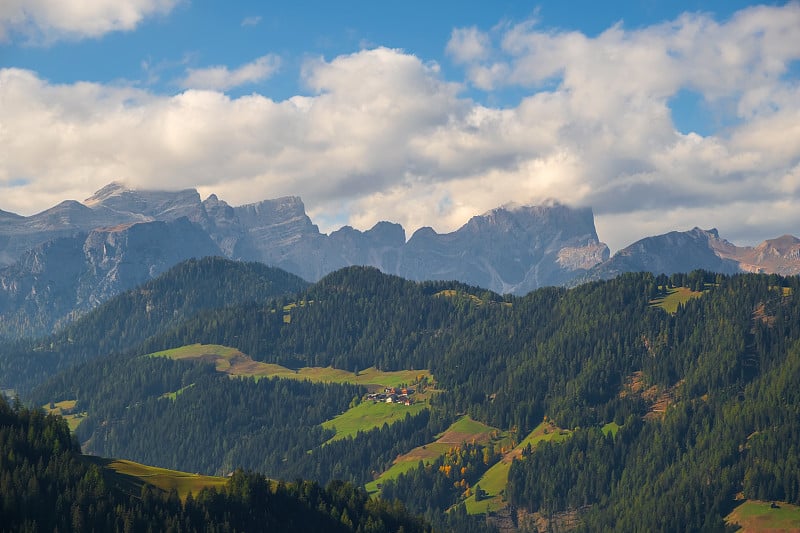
x=392, y=395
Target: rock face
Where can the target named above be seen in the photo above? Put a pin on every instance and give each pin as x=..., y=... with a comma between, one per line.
x=508, y=249
x=278, y=232
x=124, y=256
x=774, y=256
x=112, y=205
x=667, y=254
x=57, y=281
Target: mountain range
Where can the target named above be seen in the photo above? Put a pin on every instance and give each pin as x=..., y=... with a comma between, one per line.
x=66, y=260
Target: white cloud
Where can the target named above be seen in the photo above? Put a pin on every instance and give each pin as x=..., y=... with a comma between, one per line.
x=382, y=135
x=220, y=78
x=467, y=45
x=254, y=20
x=47, y=21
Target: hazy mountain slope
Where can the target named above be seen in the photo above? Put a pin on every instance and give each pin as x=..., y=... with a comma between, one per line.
x=666, y=254
x=508, y=249
x=126, y=320
x=699, y=249
x=59, y=280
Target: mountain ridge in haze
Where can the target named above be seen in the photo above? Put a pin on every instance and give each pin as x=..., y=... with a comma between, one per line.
x=120, y=237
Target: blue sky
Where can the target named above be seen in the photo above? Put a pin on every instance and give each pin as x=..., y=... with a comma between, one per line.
x=206, y=33
x=659, y=115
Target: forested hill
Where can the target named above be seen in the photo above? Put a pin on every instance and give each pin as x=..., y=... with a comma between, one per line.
x=352, y=319
x=47, y=485
x=125, y=321
x=674, y=394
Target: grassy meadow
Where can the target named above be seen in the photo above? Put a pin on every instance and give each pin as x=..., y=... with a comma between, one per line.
x=675, y=296
x=131, y=476
x=368, y=415
x=233, y=362
x=66, y=409
x=755, y=516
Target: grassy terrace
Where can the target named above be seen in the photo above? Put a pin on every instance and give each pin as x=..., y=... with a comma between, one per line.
x=131, y=476
x=675, y=297
x=233, y=362
x=756, y=516
x=66, y=409
x=368, y=415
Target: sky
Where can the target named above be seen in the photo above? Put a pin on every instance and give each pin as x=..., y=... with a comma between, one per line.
x=659, y=115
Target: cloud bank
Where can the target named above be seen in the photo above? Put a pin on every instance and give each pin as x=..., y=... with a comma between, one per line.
x=381, y=135
x=46, y=21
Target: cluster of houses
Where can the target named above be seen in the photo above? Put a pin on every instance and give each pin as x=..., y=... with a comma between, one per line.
x=392, y=395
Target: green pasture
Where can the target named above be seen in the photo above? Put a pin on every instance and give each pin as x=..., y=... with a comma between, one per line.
x=470, y=430
x=130, y=476
x=675, y=296
x=233, y=362
x=611, y=427
x=402, y=467
x=754, y=516
x=368, y=415
x=370, y=377
x=66, y=409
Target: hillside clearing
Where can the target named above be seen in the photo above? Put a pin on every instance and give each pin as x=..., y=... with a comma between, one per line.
x=130, y=476
x=658, y=398
x=754, y=516
x=66, y=409
x=454, y=294
x=675, y=297
x=368, y=415
x=612, y=428
x=235, y=363
x=494, y=481
x=465, y=429
x=175, y=394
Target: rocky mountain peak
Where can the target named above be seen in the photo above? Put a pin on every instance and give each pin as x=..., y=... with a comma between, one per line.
x=388, y=233
x=146, y=204
x=115, y=188
x=783, y=245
